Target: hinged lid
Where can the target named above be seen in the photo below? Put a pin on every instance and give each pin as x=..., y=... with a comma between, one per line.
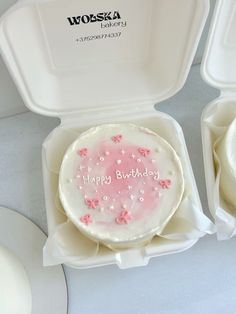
x=70, y=56
x=219, y=62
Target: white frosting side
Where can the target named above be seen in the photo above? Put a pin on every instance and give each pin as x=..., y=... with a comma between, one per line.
x=15, y=290
x=120, y=191
x=226, y=151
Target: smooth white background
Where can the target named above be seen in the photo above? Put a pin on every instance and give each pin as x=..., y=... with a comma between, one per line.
x=200, y=280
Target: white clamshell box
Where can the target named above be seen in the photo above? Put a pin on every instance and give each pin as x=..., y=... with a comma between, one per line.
x=219, y=70
x=88, y=72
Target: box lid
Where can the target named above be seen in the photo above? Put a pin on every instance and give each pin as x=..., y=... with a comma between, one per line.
x=70, y=56
x=219, y=62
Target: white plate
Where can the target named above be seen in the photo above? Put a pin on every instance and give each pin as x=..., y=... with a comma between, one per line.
x=25, y=241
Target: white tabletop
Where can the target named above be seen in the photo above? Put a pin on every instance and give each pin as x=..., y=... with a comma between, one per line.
x=200, y=280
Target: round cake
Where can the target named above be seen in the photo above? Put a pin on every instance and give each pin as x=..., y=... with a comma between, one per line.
x=120, y=184
x=226, y=151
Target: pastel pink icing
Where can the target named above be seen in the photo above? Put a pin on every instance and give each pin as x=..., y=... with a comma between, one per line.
x=92, y=203
x=165, y=184
x=144, y=151
x=124, y=217
x=83, y=152
x=117, y=138
x=135, y=178
x=86, y=219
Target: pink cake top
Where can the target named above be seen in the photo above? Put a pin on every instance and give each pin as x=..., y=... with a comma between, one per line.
x=120, y=183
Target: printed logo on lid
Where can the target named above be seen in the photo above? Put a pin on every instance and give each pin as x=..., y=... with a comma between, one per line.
x=92, y=18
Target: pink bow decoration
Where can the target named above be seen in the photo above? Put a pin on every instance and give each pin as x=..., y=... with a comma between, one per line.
x=117, y=138
x=124, y=217
x=86, y=219
x=93, y=203
x=165, y=184
x=83, y=152
x=144, y=151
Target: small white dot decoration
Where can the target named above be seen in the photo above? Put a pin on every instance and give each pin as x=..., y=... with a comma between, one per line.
x=97, y=163
x=105, y=198
x=131, y=196
x=153, y=161
x=80, y=187
x=141, y=199
x=156, y=189
x=133, y=156
x=141, y=191
x=118, y=162
x=112, y=207
x=122, y=152
x=101, y=159
x=107, y=153
x=118, y=192
x=124, y=206
x=129, y=187
x=138, y=160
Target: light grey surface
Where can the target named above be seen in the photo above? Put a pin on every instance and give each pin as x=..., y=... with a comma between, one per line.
x=11, y=102
x=200, y=280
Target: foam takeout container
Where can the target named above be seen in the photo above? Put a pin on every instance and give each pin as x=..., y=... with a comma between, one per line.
x=70, y=61
x=219, y=70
